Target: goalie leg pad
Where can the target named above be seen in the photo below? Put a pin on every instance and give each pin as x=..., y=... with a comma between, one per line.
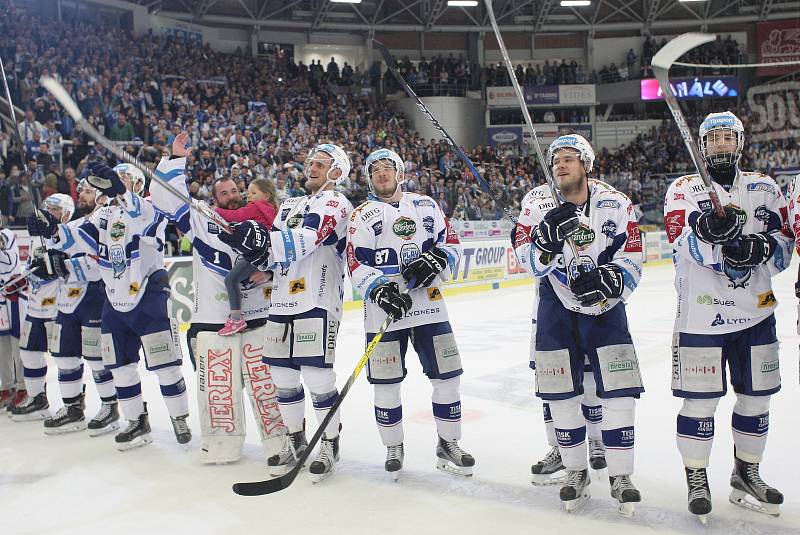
x=219, y=397
x=261, y=391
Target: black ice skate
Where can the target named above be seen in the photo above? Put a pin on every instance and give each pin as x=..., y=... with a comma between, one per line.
x=32, y=408
x=750, y=491
x=182, y=432
x=625, y=493
x=394, y=460
x=575, y=491
x=293, y=447
x=325, y=464
x=699, y=493
x=136, y=434
x=453, y=459
x=68, y=419
x=105, y=421
x=597, y=454
x=550, y=470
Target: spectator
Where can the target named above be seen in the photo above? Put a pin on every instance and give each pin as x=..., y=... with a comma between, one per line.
x=122, y=130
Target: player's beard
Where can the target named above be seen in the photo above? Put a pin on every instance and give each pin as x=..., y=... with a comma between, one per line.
x=572, y=185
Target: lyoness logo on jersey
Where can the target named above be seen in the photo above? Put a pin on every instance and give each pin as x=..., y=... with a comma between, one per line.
x=583, y=236
x=404, y=228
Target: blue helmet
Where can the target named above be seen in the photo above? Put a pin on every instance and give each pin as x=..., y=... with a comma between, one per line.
x=718, y=124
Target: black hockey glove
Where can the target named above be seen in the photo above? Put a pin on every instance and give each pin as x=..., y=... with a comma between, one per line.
x=424, y=269
x=750, y=251
x=57, y=260
x=711, y=229
x=46, y=225
x=558, y=225
x=105, y=179
x=592, y=287
x=388, y=297
x=251, y=239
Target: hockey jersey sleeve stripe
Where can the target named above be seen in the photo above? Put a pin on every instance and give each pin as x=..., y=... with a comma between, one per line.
x=88, y=233
x=77, y=269
x=288, y=246
x=378, y=281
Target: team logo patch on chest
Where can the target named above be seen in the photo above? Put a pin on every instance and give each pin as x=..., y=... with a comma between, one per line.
x=116, y=254
x=404, y=228
x=584, y=236
x=427, y=224
x=408, y=253
x=294, y=221
x=117, y=230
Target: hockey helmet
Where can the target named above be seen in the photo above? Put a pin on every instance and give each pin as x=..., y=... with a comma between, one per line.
x=713, y=131
x=382, y=157
x=575, y=143
x=59, y=201
x=340, y=161
x=132, y=173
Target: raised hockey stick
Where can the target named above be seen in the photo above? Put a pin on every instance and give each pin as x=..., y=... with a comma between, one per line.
x=391, y=64
x=528, y=121
x=258, y=488
x=23, y=160
x=18, y=278
x=661, y=63
x=61, y=95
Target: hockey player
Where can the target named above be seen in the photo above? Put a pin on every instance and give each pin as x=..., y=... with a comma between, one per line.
x=220, y=372
x=13, y=299
x=306, y=252
x=128, y=238
x=723, y=275
x=76, y=332
x=35, y=333
x=581, y=313
x=550, y=470
x=397, y=238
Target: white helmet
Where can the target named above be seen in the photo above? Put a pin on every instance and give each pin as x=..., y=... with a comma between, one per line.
x=576, y=143
x=718, y=124
x=100, y=198
x=134, y=174
x=385, y=154
x=339, y=157
x=63, y=202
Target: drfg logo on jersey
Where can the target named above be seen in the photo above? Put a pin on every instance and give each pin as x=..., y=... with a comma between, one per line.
x=583, y=237
x=404, y=228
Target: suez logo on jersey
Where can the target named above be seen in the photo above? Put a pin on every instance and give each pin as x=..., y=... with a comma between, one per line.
x=404, y=228
x=708, y=300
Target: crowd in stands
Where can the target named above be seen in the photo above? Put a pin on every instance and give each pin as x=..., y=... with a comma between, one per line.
x=257, y=117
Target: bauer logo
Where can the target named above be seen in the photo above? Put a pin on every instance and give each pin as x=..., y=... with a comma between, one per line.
x=305, y=337
x=771, y=366
x=584, y=235
x=297, y=286
x=620, y=366
x=404, y=228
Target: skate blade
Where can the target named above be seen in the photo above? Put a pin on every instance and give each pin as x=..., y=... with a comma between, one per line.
x=395, y=475
x=703, y=520
x=450, y=468
x=547, y=480
x=138, y=442
x=65, y=429
x=30, y=417
x=746, y=501
x=573, y=506
x=626, y=509
x=319, y=478
x=113, y=426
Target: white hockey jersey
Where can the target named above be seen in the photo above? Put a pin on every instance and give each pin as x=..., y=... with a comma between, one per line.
x=308, y=240
x=42, y=294
x=793, y=196
x=608, y=234
x=383, y=238
x=128, y=239
x=714, y=298
x=211, y=259
x=83, y=269
x=10, y=266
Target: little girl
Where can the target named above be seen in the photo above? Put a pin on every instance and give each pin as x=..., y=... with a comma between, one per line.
x=260, y=207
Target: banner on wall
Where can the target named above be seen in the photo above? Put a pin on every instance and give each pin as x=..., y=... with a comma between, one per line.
x=502, y=135
x=183, y=31
x=778, y=41
x=543, y=95
x=698, y=88
x=775, y=111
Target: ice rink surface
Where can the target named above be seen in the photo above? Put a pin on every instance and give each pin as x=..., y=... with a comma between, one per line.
x=79, y=485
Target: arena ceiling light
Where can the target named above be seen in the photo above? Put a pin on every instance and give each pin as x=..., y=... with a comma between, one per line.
x=462, y=3
x=575, y=3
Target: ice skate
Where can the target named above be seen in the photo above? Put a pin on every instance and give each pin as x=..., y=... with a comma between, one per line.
x=137, y=433
x=453, y=459
x=6, y=397
x=699, y=493
x=182, y=432
x=324, y=465
x=550, y=470
x=575, y=491
x=32, y=408
x=597, y=454
x=293, y=447
x=68, y=419
x=394, y=460
x=105, y=421
x=750, y=491
x=625, y=493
